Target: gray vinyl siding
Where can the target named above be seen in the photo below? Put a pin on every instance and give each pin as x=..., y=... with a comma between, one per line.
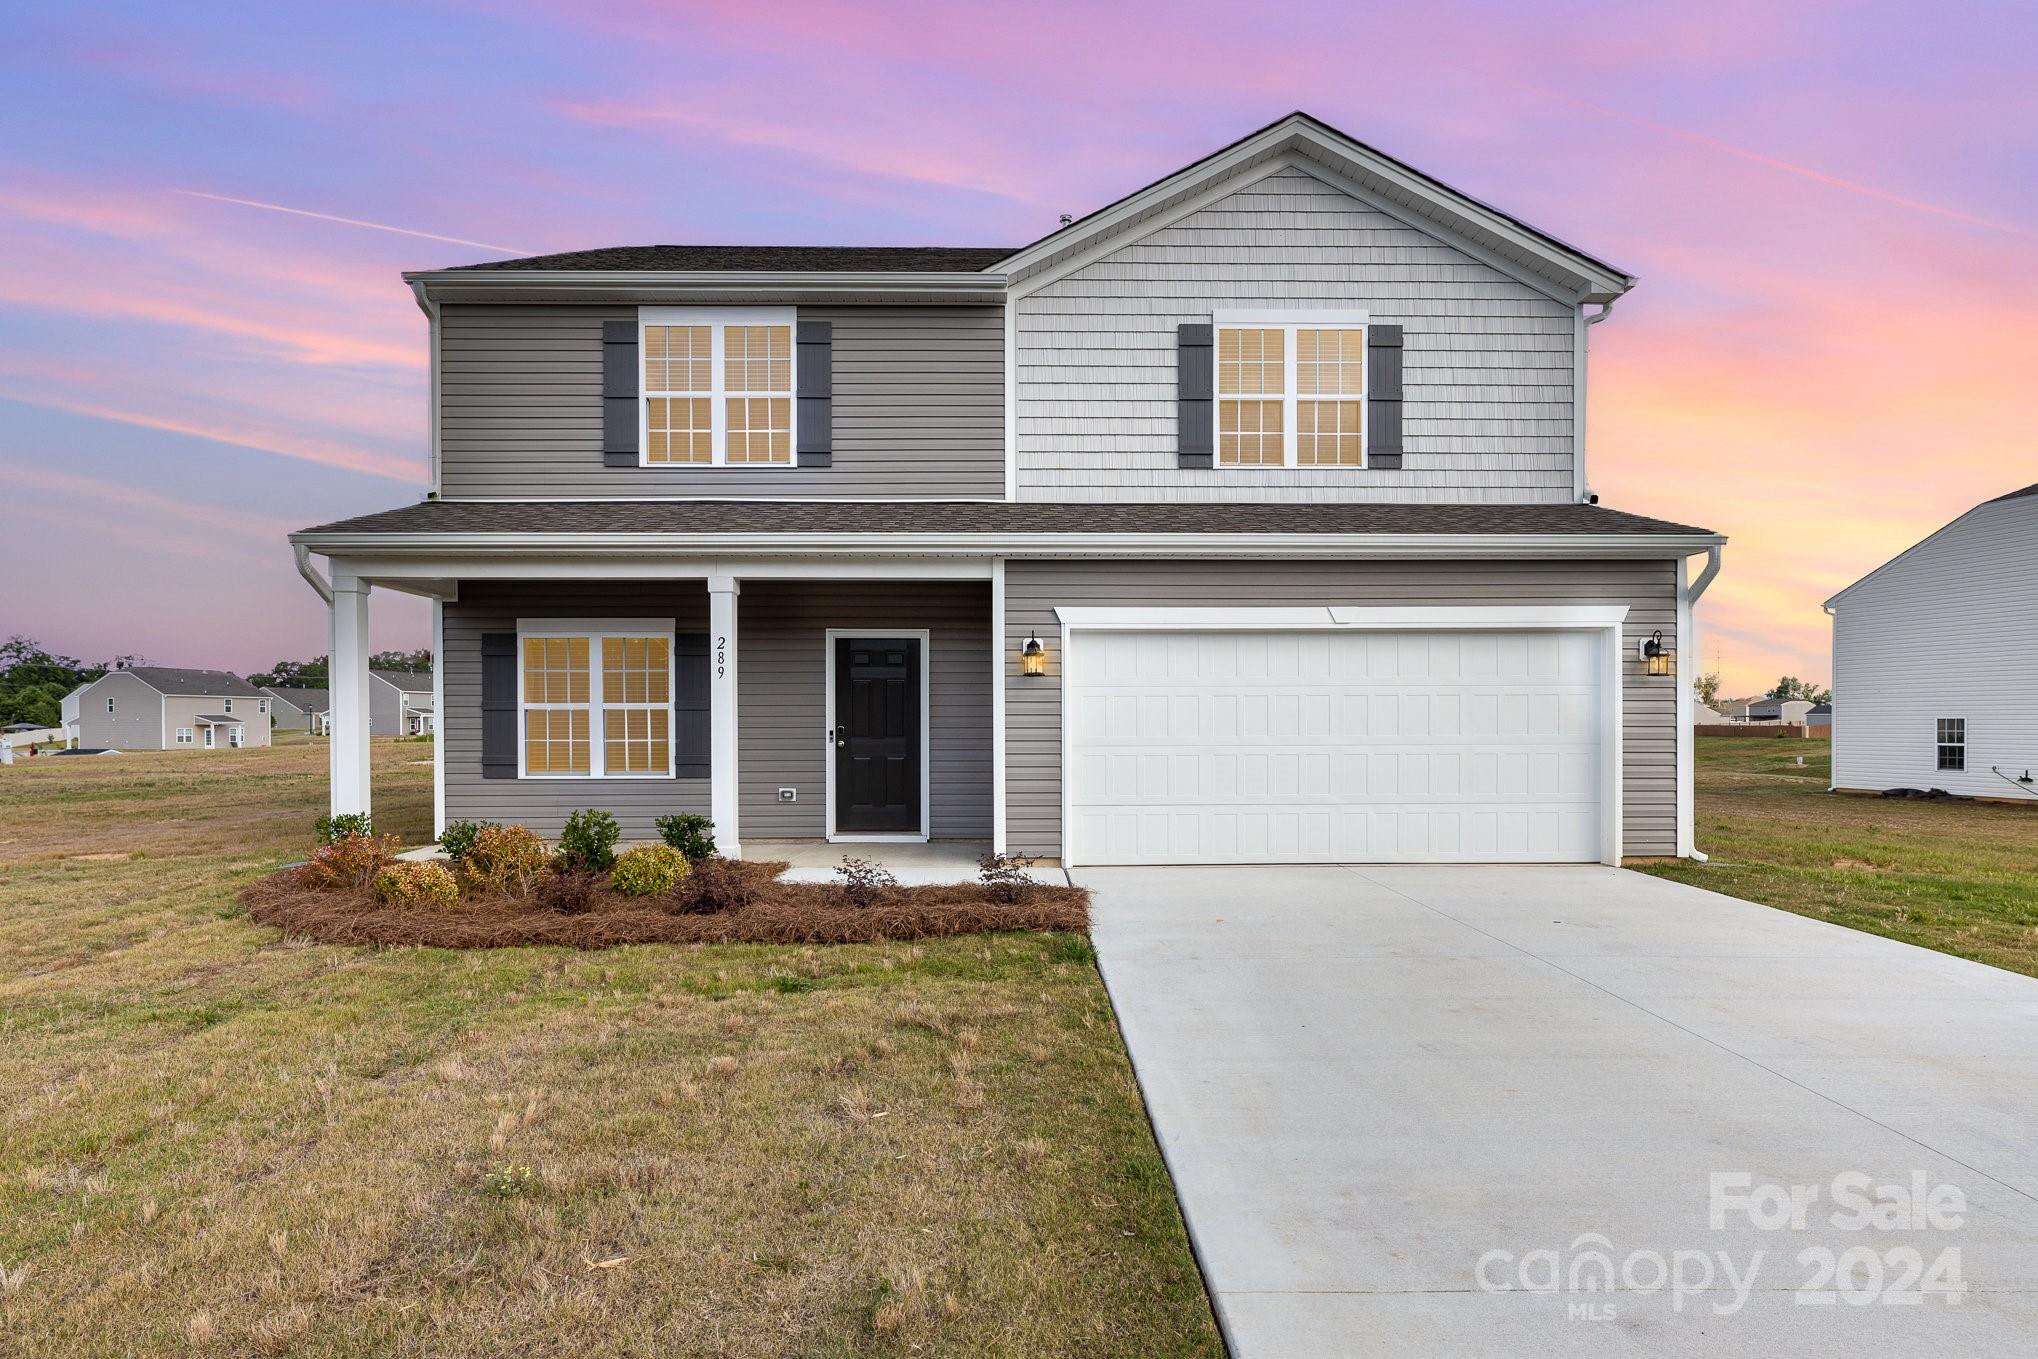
x=543, y=804
x=782, y=697
x=919, y=408
x=781, y=677
x=1033, y=590
x=136, y=722
x=1488, y=360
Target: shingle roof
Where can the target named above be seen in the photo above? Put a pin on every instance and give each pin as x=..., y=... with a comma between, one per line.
x=306, y=700
x=913, y=259
x=2016, y=495
x=1018, y=517
x=406, y=680
x=199, y=683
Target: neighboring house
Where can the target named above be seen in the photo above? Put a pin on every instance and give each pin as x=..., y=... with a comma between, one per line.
x=67, y=709
x=1819, y=721
x=1734, y=709
x=297, y=709
x=155, y=707
x=1789, y=711
x=1245, y=519
x=1937, y=652
x=399, y=703
x=1703, y=716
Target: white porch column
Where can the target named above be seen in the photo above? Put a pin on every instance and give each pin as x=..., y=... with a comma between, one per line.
x=348, y=685
x=722, y=592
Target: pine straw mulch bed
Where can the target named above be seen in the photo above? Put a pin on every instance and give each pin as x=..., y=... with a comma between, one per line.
x=782, y=913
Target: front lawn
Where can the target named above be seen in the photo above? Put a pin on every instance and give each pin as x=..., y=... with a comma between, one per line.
x=1960, y=877
x=214, y=1141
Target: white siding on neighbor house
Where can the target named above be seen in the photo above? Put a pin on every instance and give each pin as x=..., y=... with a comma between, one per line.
x=1487, y=360
x=1948, y=630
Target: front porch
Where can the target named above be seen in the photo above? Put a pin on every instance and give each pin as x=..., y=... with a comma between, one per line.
x=813, y=706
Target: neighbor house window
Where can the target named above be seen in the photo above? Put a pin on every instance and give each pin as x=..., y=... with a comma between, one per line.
x=229, y=705
x=109, y=705
x=261, y=705
x=183, y=736
x=234, y=737
x=1952, y=743
x=596, y=700
x=718, y=386
x=1291, y=393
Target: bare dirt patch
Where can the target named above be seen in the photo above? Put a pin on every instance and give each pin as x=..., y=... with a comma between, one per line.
x=782, y=913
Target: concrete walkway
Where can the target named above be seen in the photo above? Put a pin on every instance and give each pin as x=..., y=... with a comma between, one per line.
x=1378, y=1086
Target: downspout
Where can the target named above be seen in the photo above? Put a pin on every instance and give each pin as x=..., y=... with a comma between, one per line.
x=1687, y=739
x=310, y=573
x=1580, y=486
x=430, y=308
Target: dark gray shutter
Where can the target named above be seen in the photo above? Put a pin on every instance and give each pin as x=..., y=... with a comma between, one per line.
x=1195, y=382
x=498, y=705
x=1383, y=402
x=816, y=422
x=619, y=393
x=691, y=734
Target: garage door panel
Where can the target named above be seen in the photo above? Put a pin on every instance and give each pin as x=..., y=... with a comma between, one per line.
x=1215, y=747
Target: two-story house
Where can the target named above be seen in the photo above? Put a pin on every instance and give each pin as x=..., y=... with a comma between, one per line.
x=1245, y=519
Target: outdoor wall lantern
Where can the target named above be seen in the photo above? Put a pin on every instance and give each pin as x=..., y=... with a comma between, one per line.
x=1033, y=657
x=1657, y=659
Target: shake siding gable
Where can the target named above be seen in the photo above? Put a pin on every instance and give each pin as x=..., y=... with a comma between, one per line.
x=1487, y=359
x=918, y=408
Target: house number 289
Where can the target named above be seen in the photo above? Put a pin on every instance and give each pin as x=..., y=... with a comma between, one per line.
x=721, y=657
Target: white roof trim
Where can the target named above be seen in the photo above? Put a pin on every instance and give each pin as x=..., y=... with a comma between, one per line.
x=1596, y=280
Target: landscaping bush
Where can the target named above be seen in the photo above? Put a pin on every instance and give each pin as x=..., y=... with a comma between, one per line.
x=648, y=871
x=587, y=843
x=459, y=837
x=331, y=828
x=569, y=893
x=690, y=833
x=350, y=860
x=417, y=884
x=1004, y=877
x=864, y=882
x=503, y=861
x=714, y=886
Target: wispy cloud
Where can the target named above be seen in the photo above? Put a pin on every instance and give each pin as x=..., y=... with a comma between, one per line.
x=353, y=222
x=1817, y=176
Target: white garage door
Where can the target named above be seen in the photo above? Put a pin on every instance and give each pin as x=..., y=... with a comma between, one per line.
x=1335, y=747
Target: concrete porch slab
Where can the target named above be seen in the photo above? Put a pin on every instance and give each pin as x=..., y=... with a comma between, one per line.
x=930, y=864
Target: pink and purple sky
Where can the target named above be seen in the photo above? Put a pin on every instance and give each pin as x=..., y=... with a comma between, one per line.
x=1833, y=209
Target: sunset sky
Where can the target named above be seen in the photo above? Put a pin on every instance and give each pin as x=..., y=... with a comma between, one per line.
x=203, y=211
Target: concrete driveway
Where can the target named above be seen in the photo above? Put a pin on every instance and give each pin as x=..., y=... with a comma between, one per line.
x=1417, y=1111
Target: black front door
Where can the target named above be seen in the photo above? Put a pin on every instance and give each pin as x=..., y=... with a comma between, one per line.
x=877, y=734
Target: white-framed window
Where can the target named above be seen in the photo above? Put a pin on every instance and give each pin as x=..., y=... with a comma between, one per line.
x=235, y=736
x=229, y=705
x=262, y=706
x=1952, y=741
x=1290, y=389
x=183, y=736
x=595, y=698
x=109, y=704
x=717, y=387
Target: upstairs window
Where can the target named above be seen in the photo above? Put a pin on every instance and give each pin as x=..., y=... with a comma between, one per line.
x=109, y=705
x=717, y=387
x=1291, y=392
x=229, y=705
x=1952, y=735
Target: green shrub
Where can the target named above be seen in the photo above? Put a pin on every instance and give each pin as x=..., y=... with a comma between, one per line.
x=350, y=861
x=417, y=884
x=690, y=833
x=459, y=837
x=503, y=861
x=648, y=871
x=587, y=844
x=331, y=828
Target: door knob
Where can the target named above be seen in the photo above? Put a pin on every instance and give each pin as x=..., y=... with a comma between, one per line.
x=841, y=736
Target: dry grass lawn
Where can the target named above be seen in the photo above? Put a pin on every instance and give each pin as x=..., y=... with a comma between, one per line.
x=1960, y=877
x=213, y=1141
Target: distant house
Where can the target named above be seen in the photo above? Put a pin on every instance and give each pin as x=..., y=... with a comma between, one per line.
x=68, y=710
x=1819, y=721
x=298, y=709
x=155, y=707
x=1786, y=710
x=1936, y=650
x=399, y=703
x=1705, y=716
